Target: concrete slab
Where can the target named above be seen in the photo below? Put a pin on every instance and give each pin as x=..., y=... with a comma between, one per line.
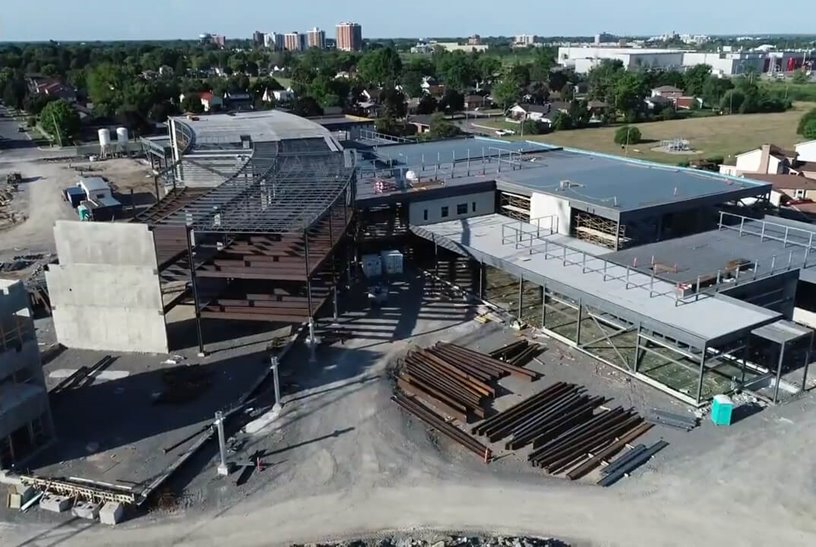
x=55, y=503
x=86, y=510
x=112, y=513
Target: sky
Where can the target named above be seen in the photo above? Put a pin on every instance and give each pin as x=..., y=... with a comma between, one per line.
x=88, y=20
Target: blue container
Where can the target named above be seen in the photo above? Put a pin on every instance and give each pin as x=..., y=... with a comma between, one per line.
x=721, y=410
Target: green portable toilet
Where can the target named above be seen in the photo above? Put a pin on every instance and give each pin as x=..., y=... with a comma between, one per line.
x=721, y=410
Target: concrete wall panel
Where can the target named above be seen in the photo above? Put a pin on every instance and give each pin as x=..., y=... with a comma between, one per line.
x=545, y=205
x=104, y=243
x=482, y=203
x=105, y=292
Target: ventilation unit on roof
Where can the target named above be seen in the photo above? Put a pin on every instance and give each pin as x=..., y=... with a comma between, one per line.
x=567, y=184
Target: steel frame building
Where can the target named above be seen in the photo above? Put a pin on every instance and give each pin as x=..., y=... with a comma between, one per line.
x=267, y=243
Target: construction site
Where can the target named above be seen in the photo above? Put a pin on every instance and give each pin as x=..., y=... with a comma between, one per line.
x=301, y=316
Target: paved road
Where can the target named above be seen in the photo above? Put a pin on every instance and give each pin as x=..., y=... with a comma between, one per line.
x=16, y=146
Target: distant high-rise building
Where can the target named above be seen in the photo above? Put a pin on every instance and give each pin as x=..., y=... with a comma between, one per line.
x=524, y=40
x=257, y=38
x=292, y=42
x=219, y=40
x=274, y=40
x=316, y=38
x=349, y=37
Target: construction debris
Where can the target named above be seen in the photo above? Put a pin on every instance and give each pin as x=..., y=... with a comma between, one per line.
x=184, y=384
x=83, y=376
x=677, y=421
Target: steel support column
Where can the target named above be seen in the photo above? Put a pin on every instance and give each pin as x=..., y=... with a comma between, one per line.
x=578, y=325
x=194, y=284
x=333, y=259
x=779, y=371
x=308, y=286
x=807, y=362
x=520, y=298
x=543, y=306
x=702, y=374
x=636, y=364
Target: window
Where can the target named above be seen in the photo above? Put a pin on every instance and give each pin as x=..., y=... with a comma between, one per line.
x=461, y=209
x=425, y=214
x=799, y=193
x=473, y=207
x=445, y=212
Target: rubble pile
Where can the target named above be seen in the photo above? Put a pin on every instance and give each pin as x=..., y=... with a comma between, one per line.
x=450, y=541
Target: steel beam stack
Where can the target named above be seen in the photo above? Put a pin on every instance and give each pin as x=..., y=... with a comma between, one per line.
x=565, y=426
x=517, y=353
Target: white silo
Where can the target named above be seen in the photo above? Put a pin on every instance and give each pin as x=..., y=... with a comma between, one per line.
x=104, y=141
x=122, y=139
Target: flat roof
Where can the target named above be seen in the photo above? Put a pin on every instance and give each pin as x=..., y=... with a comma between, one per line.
x=93, y=184
x=265, y=126
x=782, y=331
x=770, y=244
x=603, y=184
x=624, y=185
x=706, y=319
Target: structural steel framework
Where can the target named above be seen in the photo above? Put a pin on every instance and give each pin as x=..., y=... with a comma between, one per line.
x=263, y=245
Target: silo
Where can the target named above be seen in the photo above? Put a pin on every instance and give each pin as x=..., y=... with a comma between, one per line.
x=104, y=142
x=122, y=139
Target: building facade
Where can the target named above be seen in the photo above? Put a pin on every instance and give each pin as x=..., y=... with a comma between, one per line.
x=349, y=37
x=292, y=42
x=316, y=38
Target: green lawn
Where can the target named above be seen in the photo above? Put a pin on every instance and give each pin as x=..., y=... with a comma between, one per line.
x=713, y=136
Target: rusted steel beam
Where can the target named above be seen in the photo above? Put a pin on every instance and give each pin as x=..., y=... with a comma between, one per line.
x=610, y=450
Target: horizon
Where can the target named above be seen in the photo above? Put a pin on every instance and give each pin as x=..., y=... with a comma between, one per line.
x=170, y=20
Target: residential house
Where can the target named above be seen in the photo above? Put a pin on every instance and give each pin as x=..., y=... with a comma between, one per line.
x=430, y=86
x=767, y=160
x=284, y=95
x=57, y=90
x=687, y=103
x=787, y=189
x=806, y=151
x=476, y=102
x=536, y=112
x=668, y=91
x=656, y=103
x=421, y=122
x=370, y=95
x=238, y=100
x=209, y=101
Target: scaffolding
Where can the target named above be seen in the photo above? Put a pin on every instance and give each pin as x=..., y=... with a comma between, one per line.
x=515, y=206
x=600, y=231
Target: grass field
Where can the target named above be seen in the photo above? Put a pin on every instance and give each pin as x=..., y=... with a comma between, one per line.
x=719, y=136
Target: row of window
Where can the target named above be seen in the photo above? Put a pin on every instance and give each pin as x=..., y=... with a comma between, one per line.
x=461, y=209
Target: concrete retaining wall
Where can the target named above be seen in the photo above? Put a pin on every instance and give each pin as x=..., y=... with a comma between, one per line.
x=105, y=292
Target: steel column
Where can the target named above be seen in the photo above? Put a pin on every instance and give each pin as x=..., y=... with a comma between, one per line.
x=807, y=362
x=196, y=299
x=779, y=371
x=578, y=325
x=308, y=286
x=520, y=296
x=702, y=374
x=636, y=364
x=223, y=467
x=276, y=381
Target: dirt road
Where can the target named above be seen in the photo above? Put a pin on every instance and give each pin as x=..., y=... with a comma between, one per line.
x=345, y=462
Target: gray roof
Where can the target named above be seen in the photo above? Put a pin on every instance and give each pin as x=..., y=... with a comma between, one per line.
x=709, y=318
x=782, y=331
x=266, y=126
x=445, y=151
x=622, y=185
x=770, y=244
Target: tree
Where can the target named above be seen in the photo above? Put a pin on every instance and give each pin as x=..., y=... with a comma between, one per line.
x=732, y=101
x=452, y=101
x=441, y=128
x=800, y=77
x=533, y=127
x=412, y=83
x=809, y=130
x=427, y=105
x=387, y=126
x=714, y=89
x=695, y=78
x=380, y=67
x=393, y=103
x=192, y=103
x=60, y=120
x=488, y=68
x=628, y=94
x=627, y=135
x=306, y=107
x=506, y=93
x=561, y=121
x=557, y=80
x=602, y=79
x=805, y=120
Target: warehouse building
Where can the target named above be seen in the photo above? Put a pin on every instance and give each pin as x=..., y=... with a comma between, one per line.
x=671, y=275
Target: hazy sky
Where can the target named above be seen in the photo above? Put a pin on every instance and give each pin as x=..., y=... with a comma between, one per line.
x=160, y=19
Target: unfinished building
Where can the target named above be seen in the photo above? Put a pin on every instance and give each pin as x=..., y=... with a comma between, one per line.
x=265, y=213
x=25, y=416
